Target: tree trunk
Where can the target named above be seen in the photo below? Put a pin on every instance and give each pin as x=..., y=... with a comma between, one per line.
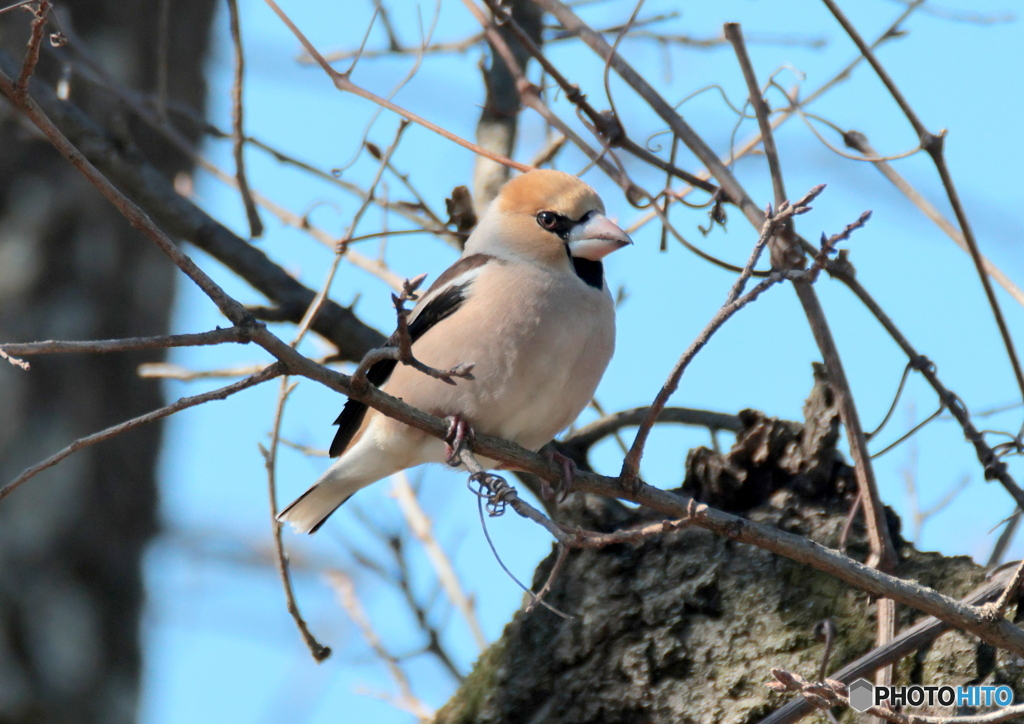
x=71, y=267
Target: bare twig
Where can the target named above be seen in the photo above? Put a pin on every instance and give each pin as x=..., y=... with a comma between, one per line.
x=420, y=526
x=15, y=6
x=605, y=126
x=1005, y=538
x=1009, y=594
x=499, y=494
x=35, y=41
x=734, y=302
x=14, y=360
x=346, y=592
x=456, y=46
x=209, y=234
x=237, y=132
x=171, y=371
x=343, y=83
x=184, y=403
x=399, y=347
x=909, y=434
x=933, y=144
x=587, y=436
x=556, y=568
x=215, y=336
x=786, y=254
x=342, y=246
x=183, y=217
x=858, y=141
x=499, y=117
x=993, y=467
x=319, y=652
x=530, y=94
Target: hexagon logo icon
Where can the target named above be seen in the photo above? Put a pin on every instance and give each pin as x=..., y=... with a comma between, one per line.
x=862, y=693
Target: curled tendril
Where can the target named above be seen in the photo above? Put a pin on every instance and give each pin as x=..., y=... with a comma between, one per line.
x=652, y=147
x=638, y=197
x=492, y=488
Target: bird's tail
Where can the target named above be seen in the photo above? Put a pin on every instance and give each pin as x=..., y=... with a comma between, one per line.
x=352, y=472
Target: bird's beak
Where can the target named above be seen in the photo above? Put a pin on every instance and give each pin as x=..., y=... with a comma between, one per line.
x=596, y=237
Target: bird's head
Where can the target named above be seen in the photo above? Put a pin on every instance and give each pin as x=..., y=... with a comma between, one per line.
x=547, y=216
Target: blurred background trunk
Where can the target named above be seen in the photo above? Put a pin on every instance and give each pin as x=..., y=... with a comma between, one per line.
x=72, y=539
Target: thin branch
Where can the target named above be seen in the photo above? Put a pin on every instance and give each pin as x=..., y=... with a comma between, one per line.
x=342, y=246
x=171, y=371
x=1005, y=538
x=237, y=114
x=530, y=94
x=182, y=217
x=346, y=593
x=784, y=114
x=858, y=141
x=933, y=144
x=456, y=46
x=16, y=5
x=587, y=436
x=14, y=360
x=399, y=347
x=786, y=254
x=343, y=83
x=735, y=36
x=993, y=467
x=733, y=303
x=421, y=528
x=173, y=199
x=499, y=495
x=606, y=127
x=35, y=42
x=1009, y=594
x=909, y=434
x=403, y=582
x=184, y=403
x=215, y=336
x=319, y=652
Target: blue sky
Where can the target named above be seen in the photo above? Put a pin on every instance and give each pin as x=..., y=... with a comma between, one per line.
x=219, y=643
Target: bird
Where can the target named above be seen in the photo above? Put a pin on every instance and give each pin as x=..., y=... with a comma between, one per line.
x=526, y=304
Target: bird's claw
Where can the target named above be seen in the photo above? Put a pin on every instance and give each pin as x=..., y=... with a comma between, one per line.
x=459, y=432
x=568, y=482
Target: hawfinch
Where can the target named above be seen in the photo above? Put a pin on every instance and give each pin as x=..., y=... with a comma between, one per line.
x=526, y=304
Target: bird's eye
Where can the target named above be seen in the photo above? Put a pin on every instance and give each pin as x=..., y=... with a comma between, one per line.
x=548, y=220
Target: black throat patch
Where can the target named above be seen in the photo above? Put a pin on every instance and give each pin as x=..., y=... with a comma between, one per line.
x=591, y=272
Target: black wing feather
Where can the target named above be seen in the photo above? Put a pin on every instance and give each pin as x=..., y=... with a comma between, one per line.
x=438, y=308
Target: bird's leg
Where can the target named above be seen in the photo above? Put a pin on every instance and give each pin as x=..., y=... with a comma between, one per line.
x=459, y=432
x=568, y=482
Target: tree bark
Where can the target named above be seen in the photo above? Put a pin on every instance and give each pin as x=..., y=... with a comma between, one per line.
x=686, y=626
x=71, y=541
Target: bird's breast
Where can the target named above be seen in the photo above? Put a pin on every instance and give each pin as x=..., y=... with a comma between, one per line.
x=540, y=343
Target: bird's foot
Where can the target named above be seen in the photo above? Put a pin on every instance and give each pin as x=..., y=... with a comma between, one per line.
x=568, y=482
x=459, y=432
